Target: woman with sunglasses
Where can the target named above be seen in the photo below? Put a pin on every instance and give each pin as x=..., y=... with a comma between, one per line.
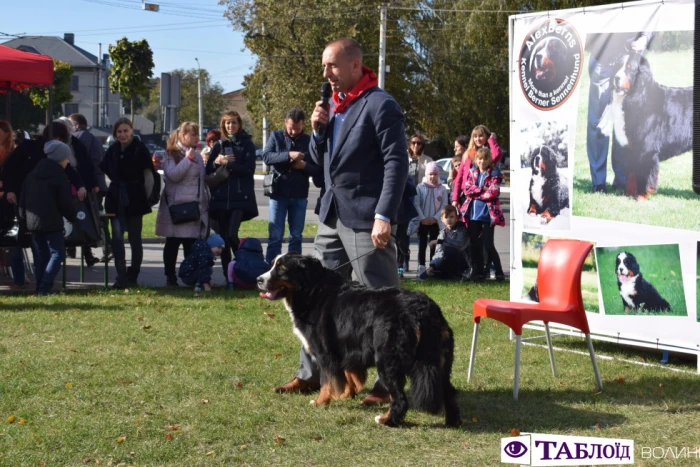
x=416, y=172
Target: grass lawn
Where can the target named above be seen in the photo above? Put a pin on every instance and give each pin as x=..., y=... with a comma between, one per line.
x=162, y=377
x=252, y=228
x=675, y=198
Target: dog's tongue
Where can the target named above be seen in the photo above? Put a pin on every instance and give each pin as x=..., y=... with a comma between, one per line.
x=269, y=295
x=623, y=278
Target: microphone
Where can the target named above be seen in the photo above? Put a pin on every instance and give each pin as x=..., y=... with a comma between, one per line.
x=325, y=98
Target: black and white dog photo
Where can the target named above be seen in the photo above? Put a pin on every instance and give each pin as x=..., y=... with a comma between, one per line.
x=549, y=190
x=636, y=292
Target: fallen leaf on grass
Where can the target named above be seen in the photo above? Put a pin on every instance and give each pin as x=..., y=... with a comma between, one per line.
x=239, y=385
x=205, y=401
x=169, y=436
x=210, y=453
x=42, y=464
x=22, y=421
x=515, y=432
x=474, y=419
x=278, y=355
x=148, y=326
x=11, y=419
x=69, y=385
x=125, y=383
x=317, y=438
x=242, y=446
x=269, y=315
x=620, y=379
x=465, y=445
x=121, y=439
x=173, y=427
x=661, y=385
x=140, y=318
x=279, y=440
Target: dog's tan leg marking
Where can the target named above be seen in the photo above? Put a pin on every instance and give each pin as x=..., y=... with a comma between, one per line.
x=547, y=216
x=325, y=396
x=354, y=384
x=631, y=187
x=532, y=210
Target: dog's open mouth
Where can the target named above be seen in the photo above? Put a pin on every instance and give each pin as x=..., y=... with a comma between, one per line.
x=623, y=278
x=271, y=294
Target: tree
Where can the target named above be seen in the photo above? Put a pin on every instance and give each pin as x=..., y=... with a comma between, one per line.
x=289, y=38
x=62, y=75
x=212, y=99
x=132, y=66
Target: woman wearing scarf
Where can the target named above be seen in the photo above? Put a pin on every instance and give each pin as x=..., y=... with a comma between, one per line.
x=129, y=167
x=233, y=201
x=183, y=169
x=432, y=197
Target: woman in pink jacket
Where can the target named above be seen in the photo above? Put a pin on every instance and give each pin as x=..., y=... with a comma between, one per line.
x=183, y=170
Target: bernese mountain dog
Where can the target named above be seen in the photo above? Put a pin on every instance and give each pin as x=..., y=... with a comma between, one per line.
x=636, y=292
x=349, y=328
x=548, y=55
x=549, y=192
x=651, y=123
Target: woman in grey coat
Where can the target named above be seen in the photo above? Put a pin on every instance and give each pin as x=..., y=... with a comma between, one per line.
x=183, y=174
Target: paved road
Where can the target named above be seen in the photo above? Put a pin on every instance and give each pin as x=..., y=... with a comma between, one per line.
x=152, y=270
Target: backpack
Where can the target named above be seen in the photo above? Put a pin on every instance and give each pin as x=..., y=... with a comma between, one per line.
x=154, y=198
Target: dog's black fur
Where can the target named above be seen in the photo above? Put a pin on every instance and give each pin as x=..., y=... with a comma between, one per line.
x=549, y=193
x=636, y=292
x=548, y=57
x=349, y=328
x=658, y=123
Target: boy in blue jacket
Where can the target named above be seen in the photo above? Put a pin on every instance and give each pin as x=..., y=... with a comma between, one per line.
x=250, y=263
x=197, y=268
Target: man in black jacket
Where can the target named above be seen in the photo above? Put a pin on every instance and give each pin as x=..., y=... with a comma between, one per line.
x=44, y=202
x=287, y=151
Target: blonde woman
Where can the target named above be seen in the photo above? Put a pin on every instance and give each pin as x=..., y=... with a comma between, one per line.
x=233, y=201
x=183, y=174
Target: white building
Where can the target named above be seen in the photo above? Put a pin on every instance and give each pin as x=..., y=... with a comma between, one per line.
x=89, y=77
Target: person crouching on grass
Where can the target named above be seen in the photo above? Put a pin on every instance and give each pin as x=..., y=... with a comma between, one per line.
x=450, y=258
x=196, y=269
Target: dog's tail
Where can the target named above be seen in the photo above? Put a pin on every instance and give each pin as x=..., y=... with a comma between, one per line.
x=431, y=387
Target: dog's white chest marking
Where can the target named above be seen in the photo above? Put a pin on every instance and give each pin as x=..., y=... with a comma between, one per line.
x=618, y=118
x=296, y=330
x=627, y=291
x=537, y=191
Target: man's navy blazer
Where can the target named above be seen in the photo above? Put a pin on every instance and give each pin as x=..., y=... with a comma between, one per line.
x=367, y=171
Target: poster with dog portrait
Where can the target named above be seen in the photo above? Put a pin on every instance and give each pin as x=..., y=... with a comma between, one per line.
x=601, y=132
x=544, y=156
x=642, y=280
x=635, y=129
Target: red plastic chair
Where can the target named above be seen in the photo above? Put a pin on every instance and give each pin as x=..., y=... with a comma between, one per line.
x=559, y=287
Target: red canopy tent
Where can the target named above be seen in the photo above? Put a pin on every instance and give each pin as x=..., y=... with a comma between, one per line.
x=20, y=70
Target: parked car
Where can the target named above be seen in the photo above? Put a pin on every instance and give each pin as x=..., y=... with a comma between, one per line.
x=158, y=159
x=153, y=147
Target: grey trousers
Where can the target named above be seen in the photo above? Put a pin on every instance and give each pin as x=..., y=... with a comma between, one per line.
x=336, y=245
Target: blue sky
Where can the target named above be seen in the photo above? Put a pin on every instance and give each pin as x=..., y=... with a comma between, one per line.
x=179, y=32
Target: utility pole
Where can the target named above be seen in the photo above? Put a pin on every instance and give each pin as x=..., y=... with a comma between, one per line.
x=98, y=121
x=264, y=118
x=382, y=46
x=201, y=113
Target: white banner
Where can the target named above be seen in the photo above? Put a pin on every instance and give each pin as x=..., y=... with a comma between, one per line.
x=601, y=150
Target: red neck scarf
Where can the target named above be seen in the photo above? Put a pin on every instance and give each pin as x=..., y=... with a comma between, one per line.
x=368, y=80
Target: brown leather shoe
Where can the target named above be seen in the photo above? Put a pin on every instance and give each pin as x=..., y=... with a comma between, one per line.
x=376, y=398
x=297, y=385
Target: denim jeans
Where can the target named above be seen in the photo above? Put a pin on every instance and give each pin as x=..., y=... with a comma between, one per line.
x=295, y=210
x=50, y=249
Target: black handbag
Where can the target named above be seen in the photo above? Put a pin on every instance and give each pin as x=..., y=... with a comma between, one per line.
x=216, y=178
x=270, y=183
x=185, y=212
x=85, y=231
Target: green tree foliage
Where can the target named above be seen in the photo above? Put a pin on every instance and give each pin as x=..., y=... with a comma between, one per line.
x=288, y=39
x=212, y=99
x=62, y=74
x=132, y=66
x=448, y=58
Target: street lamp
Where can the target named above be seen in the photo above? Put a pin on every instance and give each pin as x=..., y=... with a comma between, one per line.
x=201, y=114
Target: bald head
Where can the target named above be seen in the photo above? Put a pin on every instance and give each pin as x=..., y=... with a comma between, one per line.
x=349, y=48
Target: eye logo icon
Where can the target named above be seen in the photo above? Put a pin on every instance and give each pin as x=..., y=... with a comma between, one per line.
x=515, y=449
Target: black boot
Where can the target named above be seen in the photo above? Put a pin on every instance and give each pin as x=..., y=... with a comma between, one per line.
x=121, y=282
x=132, y=276
x=171, y=281
x=90, y=258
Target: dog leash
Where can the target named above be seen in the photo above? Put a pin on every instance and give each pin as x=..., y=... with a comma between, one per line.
x=345, y=264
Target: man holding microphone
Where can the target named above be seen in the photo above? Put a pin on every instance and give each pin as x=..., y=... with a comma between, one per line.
x=361, y=145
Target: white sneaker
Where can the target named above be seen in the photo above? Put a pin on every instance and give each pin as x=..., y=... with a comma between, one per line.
x=421, y=270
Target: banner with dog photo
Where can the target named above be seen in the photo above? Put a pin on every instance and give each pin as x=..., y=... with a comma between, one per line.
x=602, y=121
